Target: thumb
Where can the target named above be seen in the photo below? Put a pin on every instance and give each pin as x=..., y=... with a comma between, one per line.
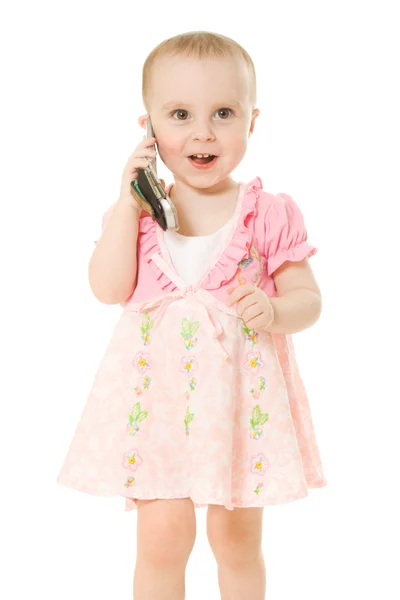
x=163, y=183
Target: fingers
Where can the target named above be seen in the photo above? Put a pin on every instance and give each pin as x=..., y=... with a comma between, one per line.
x=139, y=159
x=239, y=293
x=134, y=164
x=245, y=303
x=257, y=322
x=147, y=142
x=251, y=313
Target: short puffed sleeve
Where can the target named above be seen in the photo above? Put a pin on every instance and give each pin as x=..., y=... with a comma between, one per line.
x=286, y=234
x=105, y=218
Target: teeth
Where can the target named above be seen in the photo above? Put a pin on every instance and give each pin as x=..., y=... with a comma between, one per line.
x=202, y=155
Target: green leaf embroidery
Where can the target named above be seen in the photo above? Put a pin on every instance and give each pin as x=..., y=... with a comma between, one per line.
x=147, y=323
x=258, y=418
x=189, y=417
x=189, y=328
x=193, y=327
x=185, y=327
x=245, y=328
x=137, y=414
x=141, y=416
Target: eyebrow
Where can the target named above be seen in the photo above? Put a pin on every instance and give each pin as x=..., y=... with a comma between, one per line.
x=222, y=104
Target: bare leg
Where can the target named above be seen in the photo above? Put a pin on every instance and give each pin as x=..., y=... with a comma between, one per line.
x=235, y=539
x=166, y=531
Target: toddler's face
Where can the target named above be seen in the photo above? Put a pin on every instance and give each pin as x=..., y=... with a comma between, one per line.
x=201, y=107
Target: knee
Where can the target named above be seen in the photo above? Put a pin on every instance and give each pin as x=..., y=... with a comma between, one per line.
x=236, y=547
x=166, y=541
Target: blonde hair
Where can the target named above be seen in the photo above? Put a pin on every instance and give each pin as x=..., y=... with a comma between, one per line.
x=200, y=45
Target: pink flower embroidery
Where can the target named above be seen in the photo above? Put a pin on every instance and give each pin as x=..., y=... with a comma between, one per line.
x=252, y=337
x=130, y=481
x=188, y=365
x=142, y=364
x=259, y=488
x=253, y=362
x=132, y=459
x=259, y=464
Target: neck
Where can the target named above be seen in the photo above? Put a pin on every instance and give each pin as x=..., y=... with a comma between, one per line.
x=203, y=211
x=184, y=195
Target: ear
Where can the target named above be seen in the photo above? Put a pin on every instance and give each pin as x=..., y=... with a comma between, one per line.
x=254, y=116
x=142, y=120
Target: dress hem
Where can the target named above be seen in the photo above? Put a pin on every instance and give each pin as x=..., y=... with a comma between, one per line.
x=130, y=503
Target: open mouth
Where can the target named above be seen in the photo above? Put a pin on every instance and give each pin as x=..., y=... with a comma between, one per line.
x=202, y=161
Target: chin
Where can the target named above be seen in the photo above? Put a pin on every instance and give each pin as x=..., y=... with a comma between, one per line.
x=202, y=180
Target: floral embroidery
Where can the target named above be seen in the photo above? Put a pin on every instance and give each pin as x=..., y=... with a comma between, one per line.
x=251, y=335
x=188, y=365
x=136, y=416
x=192, y=387
x=261, y=385
x=145, y=327
x=188, y=331
x=132, y=459
x=130, y=481
x=142, y=364
x=138, y=391
x=256, y=277
x=258, y=419
x=253, y=362
x=259, y=488
x=188, y=419
x=247, y=262
x=259, y=464
x=243, y=264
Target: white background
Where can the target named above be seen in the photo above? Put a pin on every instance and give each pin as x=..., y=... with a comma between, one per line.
x=328, y=135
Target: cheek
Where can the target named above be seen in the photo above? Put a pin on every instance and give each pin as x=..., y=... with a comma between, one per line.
x=169, y=147
x=238, y=145
x=235, y=141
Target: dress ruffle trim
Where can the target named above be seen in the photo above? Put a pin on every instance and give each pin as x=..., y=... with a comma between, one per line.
x=225, y=268
x=148, y=246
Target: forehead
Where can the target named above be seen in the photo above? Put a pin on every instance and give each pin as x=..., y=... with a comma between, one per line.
x=193, y=80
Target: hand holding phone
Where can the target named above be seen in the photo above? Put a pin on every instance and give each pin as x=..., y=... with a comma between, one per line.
x=149, y=192
x=139, y=159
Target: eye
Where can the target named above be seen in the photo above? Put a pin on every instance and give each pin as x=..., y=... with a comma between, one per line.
x=180, y=112
x=224, y=111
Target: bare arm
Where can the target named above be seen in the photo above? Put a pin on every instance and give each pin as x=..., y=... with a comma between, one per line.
x=299, y=303
x=113, y=265
x=297, y=307
x=295, y=311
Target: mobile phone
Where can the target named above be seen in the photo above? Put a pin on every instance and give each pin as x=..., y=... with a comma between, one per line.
x=151, y=195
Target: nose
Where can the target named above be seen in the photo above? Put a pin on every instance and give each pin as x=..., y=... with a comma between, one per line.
x=203, y=134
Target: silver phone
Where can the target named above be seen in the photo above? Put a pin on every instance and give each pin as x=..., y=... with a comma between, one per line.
x=151, y=194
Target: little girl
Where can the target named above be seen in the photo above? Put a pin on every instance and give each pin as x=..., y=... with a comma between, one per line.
x=198, y=400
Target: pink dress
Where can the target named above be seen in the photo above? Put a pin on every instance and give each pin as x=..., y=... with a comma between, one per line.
x=189, y=403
